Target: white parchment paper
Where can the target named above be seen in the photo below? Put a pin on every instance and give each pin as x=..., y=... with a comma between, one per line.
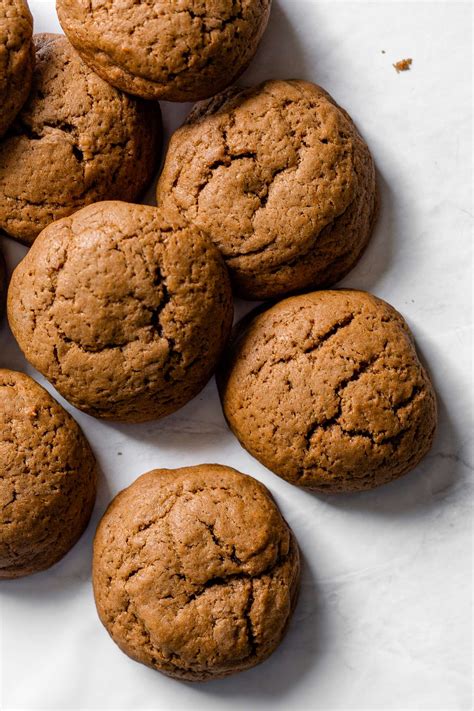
x=384, y=617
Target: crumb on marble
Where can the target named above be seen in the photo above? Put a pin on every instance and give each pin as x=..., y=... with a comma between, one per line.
x=403, y=65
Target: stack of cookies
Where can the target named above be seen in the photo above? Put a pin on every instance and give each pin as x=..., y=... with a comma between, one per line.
x=267, y=192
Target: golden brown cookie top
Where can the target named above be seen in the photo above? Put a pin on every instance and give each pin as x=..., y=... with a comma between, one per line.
x=123, y=312
x=326, y=389
x=179, y=51
x=47, y=477
x=77, y=140
x=195, y=571
x=16, y=30
x=16, y=58
x=266, y=172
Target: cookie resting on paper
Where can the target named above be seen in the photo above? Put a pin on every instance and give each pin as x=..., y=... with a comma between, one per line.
x=195, y=572
x=327, y=390
x=123, y=312
x=47, y=478
x=164, y=49
x=281, y=181
x=77, y=140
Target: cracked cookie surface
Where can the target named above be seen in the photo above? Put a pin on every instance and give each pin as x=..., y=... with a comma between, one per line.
x=123, y=312
x=17, y=58
x=327, y=391
x=181, y=50
x=47, y=478
x=77, y=140
x=280, y=179
x=195, y=571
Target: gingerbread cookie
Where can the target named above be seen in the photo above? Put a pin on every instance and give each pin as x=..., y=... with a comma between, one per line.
x=77, y=140
x=327, y=391
x=281, y=181
x=17, y=59
x=125, y=313
x=195, y=571
x=178, y=51
x=47, y=478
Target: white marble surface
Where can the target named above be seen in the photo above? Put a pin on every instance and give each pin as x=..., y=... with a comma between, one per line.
x=384, y=618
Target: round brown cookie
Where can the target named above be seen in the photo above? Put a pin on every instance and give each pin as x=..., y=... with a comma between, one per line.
x=195, y=571
x=47, y=478
x=280, y=180
x=17, y=58
x=178, y=51
x=77, y=140
x=123, y=312
x=326, y=390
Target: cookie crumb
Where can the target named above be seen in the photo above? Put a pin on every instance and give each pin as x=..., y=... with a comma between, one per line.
x=403, y=65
